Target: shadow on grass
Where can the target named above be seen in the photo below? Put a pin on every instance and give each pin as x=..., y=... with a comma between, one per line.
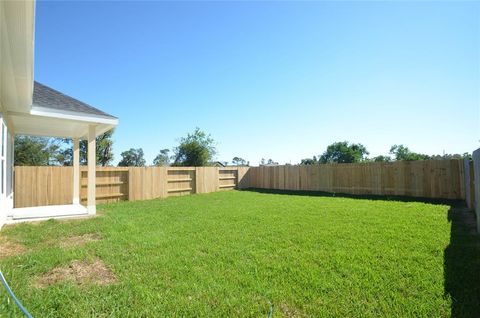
x=358, y=196
x=462, y=263
x=461, y=256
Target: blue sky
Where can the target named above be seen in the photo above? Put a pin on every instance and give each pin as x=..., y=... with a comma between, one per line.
x=278, y=80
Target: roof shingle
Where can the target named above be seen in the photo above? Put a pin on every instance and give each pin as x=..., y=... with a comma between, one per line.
x=44, y=96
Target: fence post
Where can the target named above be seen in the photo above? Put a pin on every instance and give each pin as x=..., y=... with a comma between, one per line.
x=476, y=173
x=466, y=175
x=196, y=180
x=472, y=185
x=130, y=187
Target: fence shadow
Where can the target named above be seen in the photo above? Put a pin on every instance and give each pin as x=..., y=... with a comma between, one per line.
x=357, y=196
x=462, y=264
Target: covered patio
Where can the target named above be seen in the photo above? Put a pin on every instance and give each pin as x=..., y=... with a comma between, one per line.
x=30, y=108
x=54, y=114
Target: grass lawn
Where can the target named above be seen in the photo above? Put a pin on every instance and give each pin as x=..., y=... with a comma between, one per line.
x=234, y=253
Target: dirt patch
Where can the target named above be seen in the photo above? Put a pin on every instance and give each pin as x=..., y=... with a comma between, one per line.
x=79, y=272
x=10, y=249
x=288, y=311
x=79, y=240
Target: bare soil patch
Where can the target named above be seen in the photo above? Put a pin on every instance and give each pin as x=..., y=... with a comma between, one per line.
x=79, y=240
x=288, y=311
x=10, y=249
x=80, y=272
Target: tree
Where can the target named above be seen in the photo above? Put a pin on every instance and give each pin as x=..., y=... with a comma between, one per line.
x=37, y=151
x=237, y=161
x=103, y=149
x=197, y=149
x=382, y=159
x=132, y=158
x=270, y=162
x=344, y=152
x=309, y=161
x=451, y=156
x=403, y=153
x=162, y=159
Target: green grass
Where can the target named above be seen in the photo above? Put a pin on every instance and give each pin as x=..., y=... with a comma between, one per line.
x=232, y=253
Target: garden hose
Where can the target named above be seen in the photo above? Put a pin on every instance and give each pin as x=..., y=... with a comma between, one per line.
x=10, y=292
x=271, y=309
x=28, y=315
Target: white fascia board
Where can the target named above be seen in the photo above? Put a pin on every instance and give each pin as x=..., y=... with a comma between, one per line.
x=99, y=130
x=17, y=27
x=82, y=133
x=103, y=129
x=90, y=118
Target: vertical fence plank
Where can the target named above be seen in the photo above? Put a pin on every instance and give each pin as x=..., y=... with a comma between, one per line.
x=244, y=177
x=469, y=183
x=207, y=179
x=43, y=186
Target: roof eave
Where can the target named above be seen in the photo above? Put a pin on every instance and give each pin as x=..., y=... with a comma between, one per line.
x=16, y=57
x=70, y=115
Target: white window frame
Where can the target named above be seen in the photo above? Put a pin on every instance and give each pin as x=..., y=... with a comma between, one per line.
x=3, y=165
x=3, y=158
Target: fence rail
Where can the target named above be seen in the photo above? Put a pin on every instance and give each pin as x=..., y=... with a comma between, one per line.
x=36, y=186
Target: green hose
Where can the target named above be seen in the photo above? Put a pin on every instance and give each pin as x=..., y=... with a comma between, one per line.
x=271, y=309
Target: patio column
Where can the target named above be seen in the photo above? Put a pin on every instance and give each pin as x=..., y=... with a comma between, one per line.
x=92, y=160
x=76, y=171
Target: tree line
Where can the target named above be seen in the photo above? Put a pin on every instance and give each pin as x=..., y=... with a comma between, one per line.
x=346, y=152
x=195, y=149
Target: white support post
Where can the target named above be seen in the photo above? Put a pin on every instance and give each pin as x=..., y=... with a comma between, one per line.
x=92, y=160
x=76, y=171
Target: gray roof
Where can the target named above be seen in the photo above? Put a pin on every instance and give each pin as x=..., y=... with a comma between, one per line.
x=44, y=96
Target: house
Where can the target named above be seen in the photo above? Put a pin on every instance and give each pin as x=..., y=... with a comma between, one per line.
x=28, y=107
x=218, y=164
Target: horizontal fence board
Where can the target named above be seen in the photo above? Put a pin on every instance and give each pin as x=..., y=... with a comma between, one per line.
x=38, y=186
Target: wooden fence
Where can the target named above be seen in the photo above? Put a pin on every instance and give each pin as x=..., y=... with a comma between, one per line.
x=441, y=179
x=36, y=186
